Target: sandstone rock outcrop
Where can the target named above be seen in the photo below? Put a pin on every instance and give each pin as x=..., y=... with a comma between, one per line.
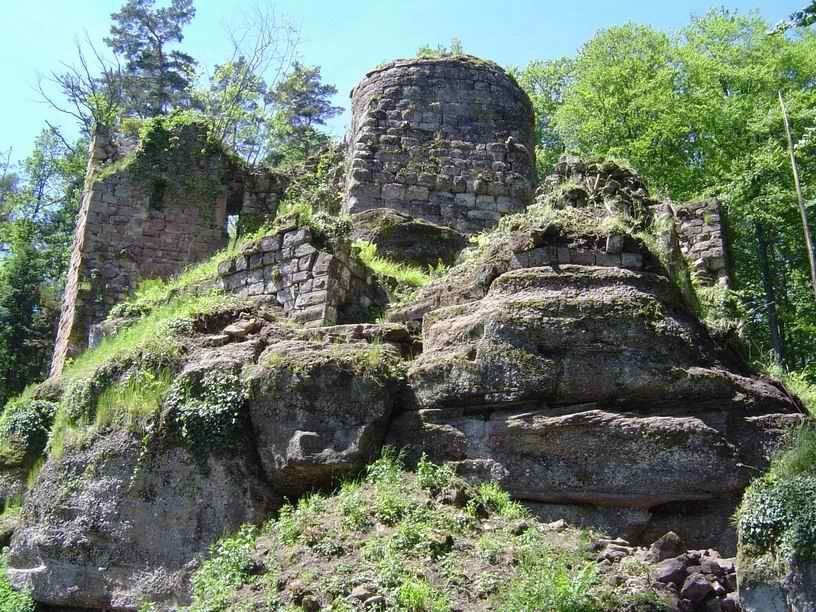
x=560, y=356
x=536, y=386
x=108, y=527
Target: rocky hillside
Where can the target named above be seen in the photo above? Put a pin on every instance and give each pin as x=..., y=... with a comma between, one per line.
x=428, y=541
x=560, y=359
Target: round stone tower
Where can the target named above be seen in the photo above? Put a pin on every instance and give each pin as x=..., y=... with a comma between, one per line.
x=448, y=140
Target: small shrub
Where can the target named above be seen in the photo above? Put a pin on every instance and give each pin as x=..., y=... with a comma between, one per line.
x=205, y=412
x=389, y=503
x=230, y=565
x=418, y=595
x=300, y=524
x=387, y=469
x=455, y=49
x=493, y=499
x=432, y=477
x=11, y=600
x=778, y=515
x=352, y=506
x=24, y=428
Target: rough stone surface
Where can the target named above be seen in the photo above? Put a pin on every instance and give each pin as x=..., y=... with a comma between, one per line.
x=404, y=239
x=703, y=239
x=96, y=533
x=318, y=413
x=448, y=140
x=793, y=591
x=669, y=545
x=314, y=283
x=539, y=386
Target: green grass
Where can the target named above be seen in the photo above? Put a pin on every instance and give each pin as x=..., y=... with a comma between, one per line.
x=418, y=595
x=402, y=274
x=398, y=533
x=229, y=566
x=130, y=402
x=549, y=580
x=34, y=472
x=151, y=335
x=155, y=345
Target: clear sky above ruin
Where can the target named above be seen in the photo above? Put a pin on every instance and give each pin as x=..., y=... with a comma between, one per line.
x=346, y=38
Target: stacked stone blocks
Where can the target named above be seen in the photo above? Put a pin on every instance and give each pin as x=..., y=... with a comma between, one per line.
x=315, y=285
x=448, y=140
x=703, y=240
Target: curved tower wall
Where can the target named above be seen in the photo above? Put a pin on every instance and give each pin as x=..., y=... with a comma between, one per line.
x=448, y=140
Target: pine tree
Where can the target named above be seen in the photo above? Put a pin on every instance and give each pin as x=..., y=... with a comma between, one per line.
x=156, y=78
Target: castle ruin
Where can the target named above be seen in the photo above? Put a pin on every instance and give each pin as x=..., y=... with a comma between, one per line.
x=149, y=211
x=448, y=140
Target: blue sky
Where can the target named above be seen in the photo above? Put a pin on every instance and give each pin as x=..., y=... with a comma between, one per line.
x=345, y=37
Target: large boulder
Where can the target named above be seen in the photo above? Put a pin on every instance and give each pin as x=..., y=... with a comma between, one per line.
x=405, y=239
x=319, y=412
x=124, y=517
x=109, y=525
x=593, y=386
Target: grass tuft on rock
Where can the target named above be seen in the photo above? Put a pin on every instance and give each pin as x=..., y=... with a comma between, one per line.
x=421, y=541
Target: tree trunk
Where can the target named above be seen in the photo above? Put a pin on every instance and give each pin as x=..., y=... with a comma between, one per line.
x=770, y=296
x=801, y=200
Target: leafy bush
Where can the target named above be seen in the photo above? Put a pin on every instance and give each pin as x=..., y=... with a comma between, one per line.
x=778, y=515
x=433, y=477
x=388, y=469
x=205, y=412
x=230, y=565
x=24, y=428
x=11, y=600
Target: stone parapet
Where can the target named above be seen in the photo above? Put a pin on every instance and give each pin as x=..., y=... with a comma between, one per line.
x=316, y=285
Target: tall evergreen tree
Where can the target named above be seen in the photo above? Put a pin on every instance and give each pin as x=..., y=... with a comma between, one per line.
x=303, y=103
x=157, y=78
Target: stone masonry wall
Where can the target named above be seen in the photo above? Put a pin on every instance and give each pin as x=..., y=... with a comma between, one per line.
x=448, y=140
x=134, y=226
x=315, y=285
x=703, y=240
